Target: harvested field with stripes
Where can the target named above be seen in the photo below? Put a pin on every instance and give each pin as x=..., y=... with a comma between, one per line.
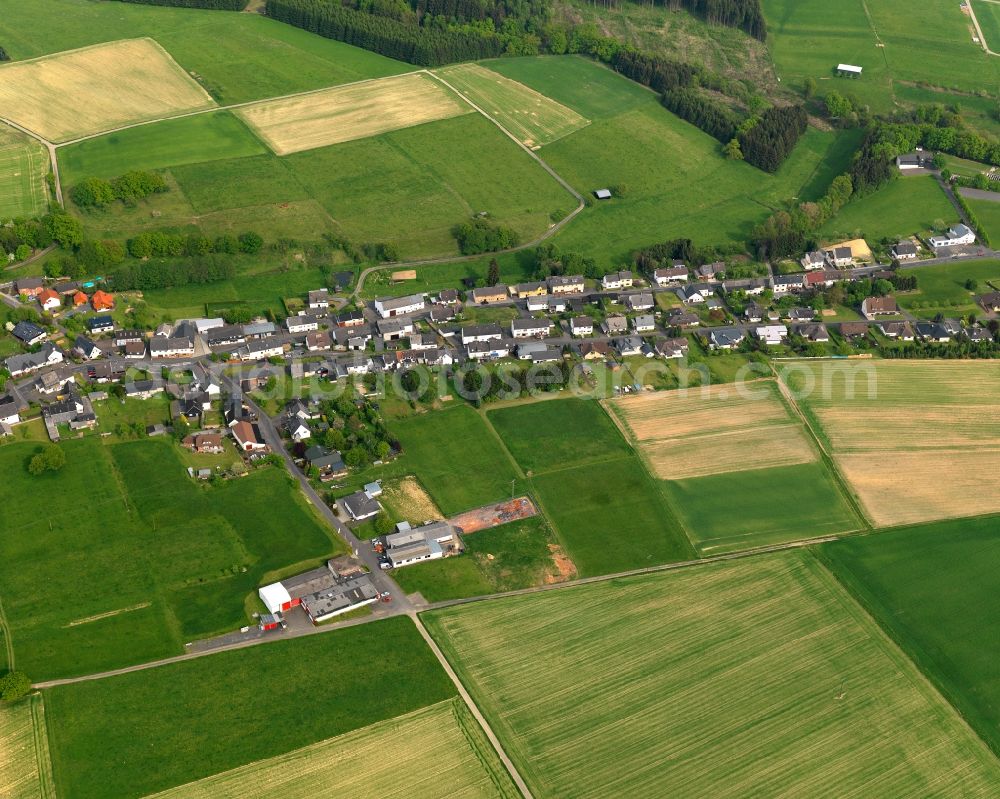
x=23, y=166
x=437, y=751
x=356, y=111
x=914, y=438
x=714, y=430
x=98, y=88
x=749, y=678
x=534, y=119
x=25, y=772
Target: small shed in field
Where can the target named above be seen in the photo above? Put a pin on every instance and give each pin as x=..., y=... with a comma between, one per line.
x=849, y=70
x=603, y=194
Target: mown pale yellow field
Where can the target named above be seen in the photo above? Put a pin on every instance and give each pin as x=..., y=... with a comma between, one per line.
x=436, y=752
x=533, y=118
x=24, y=163
x=351, y=112
x=757, y=678
x=80, y=92
x=714, y=430
x=917, y=440
x=25, y=772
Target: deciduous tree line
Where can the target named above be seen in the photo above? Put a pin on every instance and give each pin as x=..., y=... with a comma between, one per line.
x=221, y=5
x=128, y=188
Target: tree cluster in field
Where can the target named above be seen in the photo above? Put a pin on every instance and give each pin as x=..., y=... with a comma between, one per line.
x=974, y=221
x=23, y=236
x=747, y=15
x=382, y=251
x=356, y=430
x=128, y=188
x=550, y=261
x=702, y=112
x=506, y=383
x=480, y=235
x=161, y=274
x=159, y=244
x=658, y=73
x=220, y=5
x=663, y=254
x=14, y=685
x=50, y=459
x=771, y=139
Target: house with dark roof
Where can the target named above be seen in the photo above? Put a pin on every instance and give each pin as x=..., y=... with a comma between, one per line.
x=100, y=324
x=360, y=506
x=904, y=251
x=28, y=333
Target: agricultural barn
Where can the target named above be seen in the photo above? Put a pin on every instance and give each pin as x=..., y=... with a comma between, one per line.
x=322, y=593
x=413, y=545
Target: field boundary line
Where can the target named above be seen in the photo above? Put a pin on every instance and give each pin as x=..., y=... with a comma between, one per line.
x=842, y=484
x=7, y=642
x=522, y=786
x=852, y=601
x=493, y=431
x=43, y=759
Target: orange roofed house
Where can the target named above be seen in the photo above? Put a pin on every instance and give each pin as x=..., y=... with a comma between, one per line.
x=102, y=301
x=79, y=299
x=48, y=299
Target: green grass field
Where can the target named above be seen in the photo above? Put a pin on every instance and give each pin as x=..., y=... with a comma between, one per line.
x=24, y=163
x=147, y=731
x=933, y=588
x=445, y=735
x=189, y=140
x=236, y=57
x=757, y=678
x=558, y=434
x=906, y=206
x=611, y=517
x=409, y=187
x=941, y=288
x=988, y=212
x=739, y=510
x=632, y=140
x=457, y=458
x=505, y=558
x=164, y=560
x=989, y=20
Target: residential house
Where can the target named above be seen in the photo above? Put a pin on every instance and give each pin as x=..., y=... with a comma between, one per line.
x=670, y=274
x=711, y=271
x=581, y=326
x=204, y=443
x=352, y=338
x=441, y=313
x=617, y=280
x=78, y=298
x=301, y=324
x=399, y=306
x=990, y=302
x=956, y=236
x=753, y=313
x=878, y=306
x=87, y=349
x=318, y=340
x=248, y=436
x=915, y=160
x=225, y=336
x=901, y=331
x=481, y=333
x=134, y=350
x=813, y=331
x=102, y=301
x=143, y=389
x=725, y=338
x=487, y=350
x=771, y=335
x=628, y=345
x=672, y=347
x=394, y=329
x=904, y=251
x=694, y=294
x=353, y=365
x=977, y=334
x=258, y=349
x=525, y=290
x=105, y=371
x=839, y=256
x=783, y=284
x=639, y=302
x=615, y=325
x=18, y=365
x=594, y=350
x=934, y=332
x=546, y=304
x=328, y=462
x=644, y=323
x=528, y=350
x=49, y=300
x=100, y=324
x=566, y=284
x=855, y=329
x=800, y=314
x=530, y=328
x=814, y=260
x=161, y=347
x=28, y=333
x=297, y=429
x=423, y=341
x=29, y=286
x=681, y=318
x=318, y=300
x=123, y=337
x=488, y=294
x=360, y=506
x=823, y=279
x=446, y=297
x=9, y=411
x=54, y=382
x=349, y=319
